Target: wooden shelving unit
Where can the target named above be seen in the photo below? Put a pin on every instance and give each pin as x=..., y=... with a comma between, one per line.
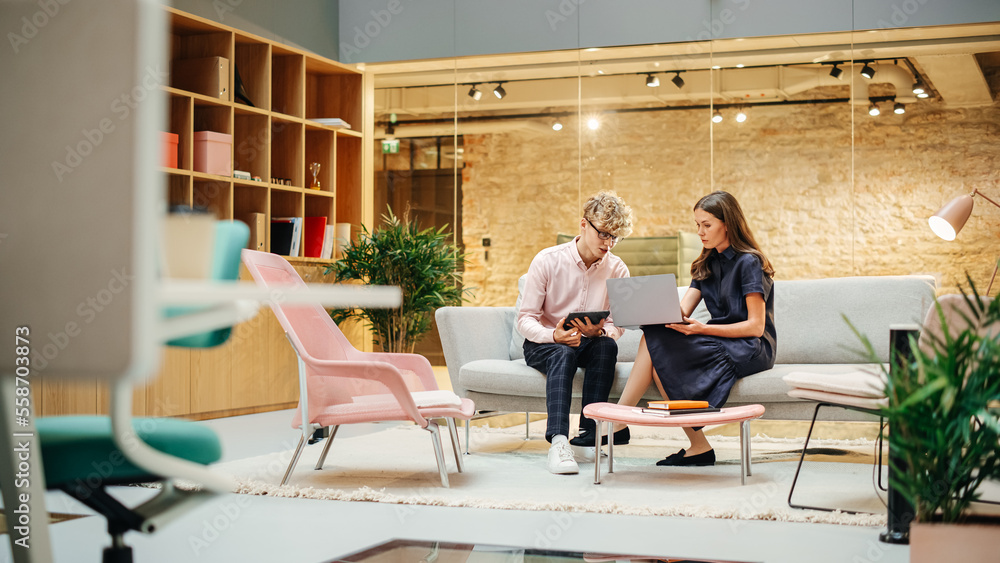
x=275, y=137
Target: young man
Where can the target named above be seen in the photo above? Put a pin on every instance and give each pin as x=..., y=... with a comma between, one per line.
x=563, y=279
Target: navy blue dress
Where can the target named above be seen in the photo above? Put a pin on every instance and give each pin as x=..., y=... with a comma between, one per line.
x=704, y=368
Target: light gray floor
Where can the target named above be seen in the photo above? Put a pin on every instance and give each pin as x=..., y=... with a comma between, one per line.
x=262, y=529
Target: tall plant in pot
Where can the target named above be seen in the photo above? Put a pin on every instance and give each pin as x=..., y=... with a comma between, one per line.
x=944, y=421
x=421, y=262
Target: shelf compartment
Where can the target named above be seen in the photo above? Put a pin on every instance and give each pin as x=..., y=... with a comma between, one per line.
x=333, y=92
x=287, y=151
x=318, y=205
x=249, y=199
x=251, y=139
x=349, y=187
x=181, y=123
x=320, y=149
x=212, y=117
x=284, y=204
x=215, y=195
x=178, y=189
x=193, y=39
x=287, y=83
x=253, y=61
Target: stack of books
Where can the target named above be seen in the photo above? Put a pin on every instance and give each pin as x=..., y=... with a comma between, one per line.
x=673, y=408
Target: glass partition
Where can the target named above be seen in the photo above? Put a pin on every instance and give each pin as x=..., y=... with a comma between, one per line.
x=829, y=189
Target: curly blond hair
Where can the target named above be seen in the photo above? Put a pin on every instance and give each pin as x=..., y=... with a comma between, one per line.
x=611, y=212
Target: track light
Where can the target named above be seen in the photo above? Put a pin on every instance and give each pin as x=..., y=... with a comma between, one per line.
x=557, y=126
x=593, y=123
x=873, y=109
x=836, y=71
x=741, y=116
x=677, y=80
x=717, y=116
x=918, y=87
x=652, y=81
x=499, y=92
x=475, y=93
x=898, y=108
x=867, y=71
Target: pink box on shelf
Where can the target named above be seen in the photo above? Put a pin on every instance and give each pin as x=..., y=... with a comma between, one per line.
x=168, y=144
x=213, y=153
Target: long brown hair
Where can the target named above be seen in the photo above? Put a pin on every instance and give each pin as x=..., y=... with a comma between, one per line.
x=726, y=209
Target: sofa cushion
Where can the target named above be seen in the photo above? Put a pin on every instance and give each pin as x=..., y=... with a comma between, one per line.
x=858, y=383
x=839, y=399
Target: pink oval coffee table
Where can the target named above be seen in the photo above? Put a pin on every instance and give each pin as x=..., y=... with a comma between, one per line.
x=611, y=413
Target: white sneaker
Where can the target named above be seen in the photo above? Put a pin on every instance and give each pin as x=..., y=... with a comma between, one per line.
x=561, y=461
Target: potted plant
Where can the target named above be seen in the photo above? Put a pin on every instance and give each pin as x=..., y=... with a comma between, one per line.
x=944, y=428
x=421, y=262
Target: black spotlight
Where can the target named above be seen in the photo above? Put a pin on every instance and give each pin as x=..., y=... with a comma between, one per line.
x=836, y=71
x=867, y=71
x=677, y=80
x=475, y=93
x=499, y=92
x=652, y=81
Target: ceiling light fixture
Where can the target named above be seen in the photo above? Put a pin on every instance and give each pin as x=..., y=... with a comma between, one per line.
x=499, y=92
x=593, y=123
x=677, y=80
x=836, y=71
x=652, y=81
x=717, y=116
x=741, y=116
x=873, y=109
x=918, y=87
x=867, y=71
x=557, y=126
x=475, y=93
x=899, y=108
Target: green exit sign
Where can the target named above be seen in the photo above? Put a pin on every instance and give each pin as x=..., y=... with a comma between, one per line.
x=390, y=146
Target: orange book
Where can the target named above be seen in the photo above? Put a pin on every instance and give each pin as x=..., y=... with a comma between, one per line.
x=678, y=405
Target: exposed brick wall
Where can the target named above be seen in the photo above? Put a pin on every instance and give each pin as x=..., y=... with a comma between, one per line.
x=790, y=167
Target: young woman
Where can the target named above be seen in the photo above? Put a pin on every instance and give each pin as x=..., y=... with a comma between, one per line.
x=699, y=361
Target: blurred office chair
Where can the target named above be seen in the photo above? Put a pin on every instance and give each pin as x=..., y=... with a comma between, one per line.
x=339, y=384
x=83, y=455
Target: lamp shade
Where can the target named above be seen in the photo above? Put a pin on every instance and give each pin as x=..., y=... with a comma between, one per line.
x=950, y=219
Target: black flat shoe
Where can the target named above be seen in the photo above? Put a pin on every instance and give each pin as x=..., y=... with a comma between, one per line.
x=678, y=459
x=586, y=438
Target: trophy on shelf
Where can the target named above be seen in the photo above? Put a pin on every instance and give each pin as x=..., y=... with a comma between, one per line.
x=314, y=168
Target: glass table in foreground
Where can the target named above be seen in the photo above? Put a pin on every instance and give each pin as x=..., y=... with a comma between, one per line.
x=413, y=551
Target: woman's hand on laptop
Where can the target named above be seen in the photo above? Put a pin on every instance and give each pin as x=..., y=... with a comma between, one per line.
x=688, y=327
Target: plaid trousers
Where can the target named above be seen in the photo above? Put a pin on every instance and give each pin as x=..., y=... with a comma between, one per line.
x=559, y=363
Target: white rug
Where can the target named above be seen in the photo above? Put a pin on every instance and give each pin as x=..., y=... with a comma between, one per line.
x=396, y=465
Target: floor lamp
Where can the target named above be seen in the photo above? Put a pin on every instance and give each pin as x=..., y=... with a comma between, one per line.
x=950, y=219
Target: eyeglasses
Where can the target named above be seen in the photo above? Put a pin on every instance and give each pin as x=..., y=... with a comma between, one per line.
x=601, y=234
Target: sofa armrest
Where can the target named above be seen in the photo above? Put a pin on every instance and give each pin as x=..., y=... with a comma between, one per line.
x=473, y=333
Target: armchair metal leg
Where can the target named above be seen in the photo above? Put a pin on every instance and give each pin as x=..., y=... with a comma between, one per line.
x=527, y=420
x=468, y=423
x=295, y=459
x=799, y=469
x=456, y=446
x=432, y=427
x=326, y=447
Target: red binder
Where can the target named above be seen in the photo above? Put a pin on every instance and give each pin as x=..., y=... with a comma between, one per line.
x=315, y=231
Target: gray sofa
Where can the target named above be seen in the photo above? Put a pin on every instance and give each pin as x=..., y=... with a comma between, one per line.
x=485, y=363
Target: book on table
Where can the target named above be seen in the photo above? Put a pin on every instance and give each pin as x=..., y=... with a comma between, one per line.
x=680, y=412
x=677, y=405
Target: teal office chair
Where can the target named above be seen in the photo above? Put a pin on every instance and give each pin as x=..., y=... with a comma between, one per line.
x=82, y=457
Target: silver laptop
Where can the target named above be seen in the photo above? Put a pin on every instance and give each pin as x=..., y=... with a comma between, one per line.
x=644, y=300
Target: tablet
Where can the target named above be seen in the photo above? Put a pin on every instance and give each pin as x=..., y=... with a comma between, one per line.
x=594, y=316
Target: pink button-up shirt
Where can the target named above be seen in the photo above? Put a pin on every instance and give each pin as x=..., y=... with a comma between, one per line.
x=560, y=283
